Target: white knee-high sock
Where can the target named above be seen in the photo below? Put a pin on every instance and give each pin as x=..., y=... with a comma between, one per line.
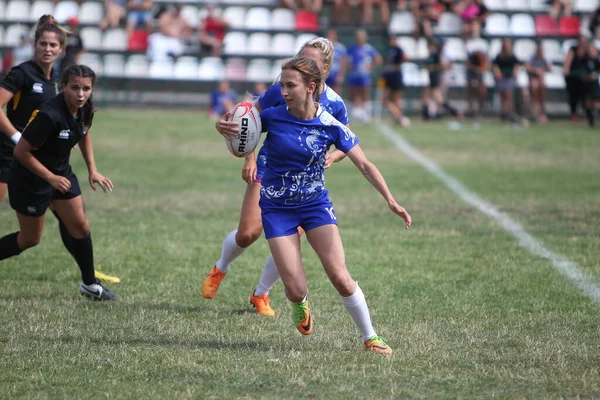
x=230, y=252
x=356, y=305
x=269, y=277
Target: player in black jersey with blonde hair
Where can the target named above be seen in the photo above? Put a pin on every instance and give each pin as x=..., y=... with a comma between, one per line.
x=41, y=175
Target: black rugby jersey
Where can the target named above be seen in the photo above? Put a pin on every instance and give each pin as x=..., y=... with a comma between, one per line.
x=30, y=87
x=54, y=131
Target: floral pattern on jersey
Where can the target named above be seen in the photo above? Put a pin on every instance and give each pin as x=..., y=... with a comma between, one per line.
x=306, y=185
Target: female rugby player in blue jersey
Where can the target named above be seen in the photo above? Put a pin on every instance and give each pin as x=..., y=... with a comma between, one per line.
x=250, y=227
x=293, y=195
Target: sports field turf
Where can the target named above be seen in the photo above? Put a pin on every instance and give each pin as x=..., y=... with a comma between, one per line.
x=468, y=311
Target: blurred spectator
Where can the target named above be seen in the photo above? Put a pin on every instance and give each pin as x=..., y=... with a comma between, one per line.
x=433, y=99
x=401, y=5
x=74, y=48
x=477, y=64
x=338, y=67
x=537, y=66
x=114, y=12
x=259, y=89
x=363, y=58
x=138, y=13
x=222, y=100
x=592, y=95
x=212, y=32
x=310, y=5
x=473, y=14
x=506, y=67
x=592, y=85
x=426, y=13
x=558, y=6
x=574, y=69
x=392, y=76
x=173, y=32
x=595, y=24
x=367, y=11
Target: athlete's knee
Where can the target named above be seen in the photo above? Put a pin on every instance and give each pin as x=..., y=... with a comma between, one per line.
x=343, y=283
x=245, y=237
x=295, y=292
x=80, y=229
x=28, y=241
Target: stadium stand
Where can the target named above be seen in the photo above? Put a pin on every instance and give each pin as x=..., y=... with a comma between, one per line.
x=261, y=34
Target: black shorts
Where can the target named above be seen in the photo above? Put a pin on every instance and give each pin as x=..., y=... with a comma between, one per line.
x=434, y=80
x=592, y=90
x=393, y=81
x=6, y=157
x=31, y=195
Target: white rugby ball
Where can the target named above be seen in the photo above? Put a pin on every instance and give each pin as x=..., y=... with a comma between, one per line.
x=250, y=127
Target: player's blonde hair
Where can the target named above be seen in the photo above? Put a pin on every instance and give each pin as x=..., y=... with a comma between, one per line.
x=325, y=47
x=309, y=69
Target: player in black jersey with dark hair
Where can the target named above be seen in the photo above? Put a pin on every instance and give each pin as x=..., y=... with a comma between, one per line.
x=41, y=175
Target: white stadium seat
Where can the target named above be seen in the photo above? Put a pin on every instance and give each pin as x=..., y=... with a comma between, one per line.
x=17, y=10
x=283, y=44
x=524, y=49
x=258, y=18
x=495, y=46
x=586, y=6
x=522, y=25
x=234, y=43
x=161, y=69
x=458, y=75
x=401, y=22
x=411, y=74
x=186, y=68
x=555, y=79
x=91, y=37
x=552, y=51
x=276, y=69
x=538, y=5
x=211, y=69
x=259, y=43
x=522, y=78
x=2, y=8
x=136, y=66
x=301, y=39
x=114, y=65
x=408, y=45
x=455, y=48
x=66, y=9
x=115, y=39
x=495, y=5
x=259, y=70
x=449, y=24
x=41, y=7
x=516, y=5
x=283, y=19
x=477, y=44
x=422, y=49
x=12, y=35
x=92, y=60
x=235, y=17
x=497, y=25
x=190, y=14
x=235, y=69
x=91, y=12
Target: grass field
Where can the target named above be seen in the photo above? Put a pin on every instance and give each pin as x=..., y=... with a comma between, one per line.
x=468, y=312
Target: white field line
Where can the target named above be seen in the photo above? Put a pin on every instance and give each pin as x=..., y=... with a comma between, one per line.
x=569, y=269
